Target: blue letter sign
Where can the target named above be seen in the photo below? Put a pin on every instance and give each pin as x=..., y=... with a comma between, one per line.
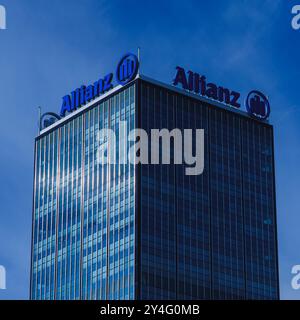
x=257, y=104
x=126, y=71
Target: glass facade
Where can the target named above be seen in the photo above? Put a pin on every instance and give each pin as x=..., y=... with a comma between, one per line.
x=211, y=236
x=84, y=213
x=121, y=231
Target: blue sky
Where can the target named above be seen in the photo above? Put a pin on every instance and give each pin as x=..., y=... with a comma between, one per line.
x=51, y=47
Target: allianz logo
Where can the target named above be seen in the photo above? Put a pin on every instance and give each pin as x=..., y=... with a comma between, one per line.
x=2, y=17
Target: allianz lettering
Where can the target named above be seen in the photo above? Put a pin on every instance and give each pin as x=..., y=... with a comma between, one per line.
x=82, y=95
x=257, y=104
x=126, y=71
x=198, y=84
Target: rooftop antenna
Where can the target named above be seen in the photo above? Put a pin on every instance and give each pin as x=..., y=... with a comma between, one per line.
x=39, y=115
x=139, y=59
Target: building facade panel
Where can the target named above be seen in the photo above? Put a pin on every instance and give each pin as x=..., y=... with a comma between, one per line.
x=211, y=236
x=84, y=212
